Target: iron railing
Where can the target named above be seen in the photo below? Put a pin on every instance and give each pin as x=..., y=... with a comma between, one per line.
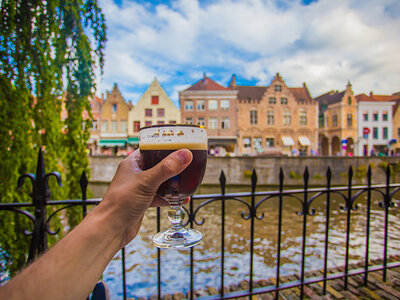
x=305, y=197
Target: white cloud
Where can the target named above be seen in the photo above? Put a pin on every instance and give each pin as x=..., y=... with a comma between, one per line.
x=324, y=44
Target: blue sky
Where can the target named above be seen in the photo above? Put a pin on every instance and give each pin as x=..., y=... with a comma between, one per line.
x=323, y=43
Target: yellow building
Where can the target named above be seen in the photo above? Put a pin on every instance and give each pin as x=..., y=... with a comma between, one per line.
x=154, y=107
x=114, y=124
x=337, y=134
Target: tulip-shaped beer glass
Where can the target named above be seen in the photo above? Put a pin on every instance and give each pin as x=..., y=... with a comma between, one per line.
x=157, y=142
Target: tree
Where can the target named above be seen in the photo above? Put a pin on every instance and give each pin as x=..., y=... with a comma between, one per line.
x=49, y=51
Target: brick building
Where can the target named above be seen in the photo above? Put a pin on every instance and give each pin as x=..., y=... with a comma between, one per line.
x=337, y=134
x=154, y=107
x=212, y=105
x=276, y=119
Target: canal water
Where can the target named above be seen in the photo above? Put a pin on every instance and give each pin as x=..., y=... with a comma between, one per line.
x=141, y=256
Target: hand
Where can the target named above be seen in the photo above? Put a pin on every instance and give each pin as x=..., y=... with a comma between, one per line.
x=132, y=190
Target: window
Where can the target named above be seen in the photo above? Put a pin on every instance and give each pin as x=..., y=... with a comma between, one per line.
x=287, y=119
x=303, y=117
x=365, y=116
x=398, y=133
x=385, y=116
x=278, y=88
x=349, y=120
x=225, y=123
x=200, y=105
x=253, y=117
x=114, y=126
x=246, y=142
x=201, y=121
x=154, y=100
x=172, y=122
x=385, y=133
x=160, y=122
x=136, y=126
x=349, y=100
x=114, y=108
x=365, y=134
x=104, y=125
x=257, y=143
x=213, y=123
x=321, y=121
x=94, y=125
x=123, y=126
x=334, y=120
x=189, y=120
x=269, y=142
x=148, y=123
x=270, y=118
x=225, y=104
x=375, y=116
x=283, y=100
x=160, y=112
x=375, y=133
x=272, y=100
x=148, y=112
x=189, y=105
x=213, y=105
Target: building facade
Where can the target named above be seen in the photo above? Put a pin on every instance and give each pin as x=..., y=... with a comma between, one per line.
x=375, y=125
x=154, y=107
x=337, y=133
x=114, y=124
x=214, y=106
x=276, y=119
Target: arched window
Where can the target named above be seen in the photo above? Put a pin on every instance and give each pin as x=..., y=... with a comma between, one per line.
x=270, y=117
x=303, y=117
x=287, y=119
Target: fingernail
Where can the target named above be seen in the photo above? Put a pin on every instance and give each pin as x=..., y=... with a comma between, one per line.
x=184, y=155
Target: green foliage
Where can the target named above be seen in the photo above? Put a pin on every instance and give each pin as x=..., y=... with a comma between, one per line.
x=248, y=173
x=294, y=175
x=361, y=172
x=45, y=54
x=318, y=176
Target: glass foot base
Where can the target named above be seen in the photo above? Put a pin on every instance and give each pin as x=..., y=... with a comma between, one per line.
x=177, y=239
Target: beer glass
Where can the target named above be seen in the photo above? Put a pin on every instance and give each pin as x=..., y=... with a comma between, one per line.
x=157, y=142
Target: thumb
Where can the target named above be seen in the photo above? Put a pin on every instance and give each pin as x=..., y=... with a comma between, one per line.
x=170, y=166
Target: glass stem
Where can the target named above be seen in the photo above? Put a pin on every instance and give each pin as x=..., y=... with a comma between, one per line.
x=175, y=216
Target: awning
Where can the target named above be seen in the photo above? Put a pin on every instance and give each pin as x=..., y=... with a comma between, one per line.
x=304, y=141
x=112, y=143
x=287, y=141
x=133, y=140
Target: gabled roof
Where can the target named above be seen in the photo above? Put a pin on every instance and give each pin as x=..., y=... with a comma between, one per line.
x=386, y=98
x=250, y=92
x=301, y=93
x=376, y=98
x=207, y=84
x=330, y=97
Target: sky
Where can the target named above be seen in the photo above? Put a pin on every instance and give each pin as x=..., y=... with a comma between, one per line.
x=323, y=43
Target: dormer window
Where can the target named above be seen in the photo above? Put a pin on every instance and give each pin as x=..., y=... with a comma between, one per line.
x=278, y=88
x=114, y=108
x=349, y=100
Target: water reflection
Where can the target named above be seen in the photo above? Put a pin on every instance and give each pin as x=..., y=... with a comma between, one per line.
x=141, y=256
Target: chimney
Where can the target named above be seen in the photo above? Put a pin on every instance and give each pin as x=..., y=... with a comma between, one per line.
x=232, y=83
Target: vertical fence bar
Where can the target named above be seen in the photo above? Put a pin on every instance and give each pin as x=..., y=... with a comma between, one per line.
x=191, y=252
x=222, y=181
x=83, y=182
x=303, y=250
x=123, y=273
x=328, y=207
x=278, y=264
x=349, y=206
x=367, y=229
x=252, y=217
x=387, y=205
x=158, y=257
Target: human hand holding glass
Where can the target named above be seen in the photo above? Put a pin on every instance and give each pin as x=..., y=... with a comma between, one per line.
x=156, y=143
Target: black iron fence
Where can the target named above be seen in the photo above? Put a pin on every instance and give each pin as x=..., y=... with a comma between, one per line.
x=305, y=197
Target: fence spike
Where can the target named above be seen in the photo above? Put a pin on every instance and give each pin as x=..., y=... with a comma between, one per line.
x=328, y=174
x=306, y=175
x=253, y=180
x=222, y=182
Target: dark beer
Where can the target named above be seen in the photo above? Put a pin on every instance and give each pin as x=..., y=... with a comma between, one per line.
x=179, y=187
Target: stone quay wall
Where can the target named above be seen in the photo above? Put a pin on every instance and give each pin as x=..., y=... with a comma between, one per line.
x=238, y=169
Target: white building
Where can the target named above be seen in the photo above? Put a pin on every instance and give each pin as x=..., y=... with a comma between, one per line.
x=374, y=125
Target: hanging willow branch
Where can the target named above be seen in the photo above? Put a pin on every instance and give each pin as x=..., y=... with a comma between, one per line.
x=49, y=51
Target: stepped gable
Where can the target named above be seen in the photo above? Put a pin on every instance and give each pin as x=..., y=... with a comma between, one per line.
x=301, y=93
x=207, y=84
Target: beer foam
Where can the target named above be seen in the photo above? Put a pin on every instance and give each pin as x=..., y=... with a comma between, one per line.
x=173, y=138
